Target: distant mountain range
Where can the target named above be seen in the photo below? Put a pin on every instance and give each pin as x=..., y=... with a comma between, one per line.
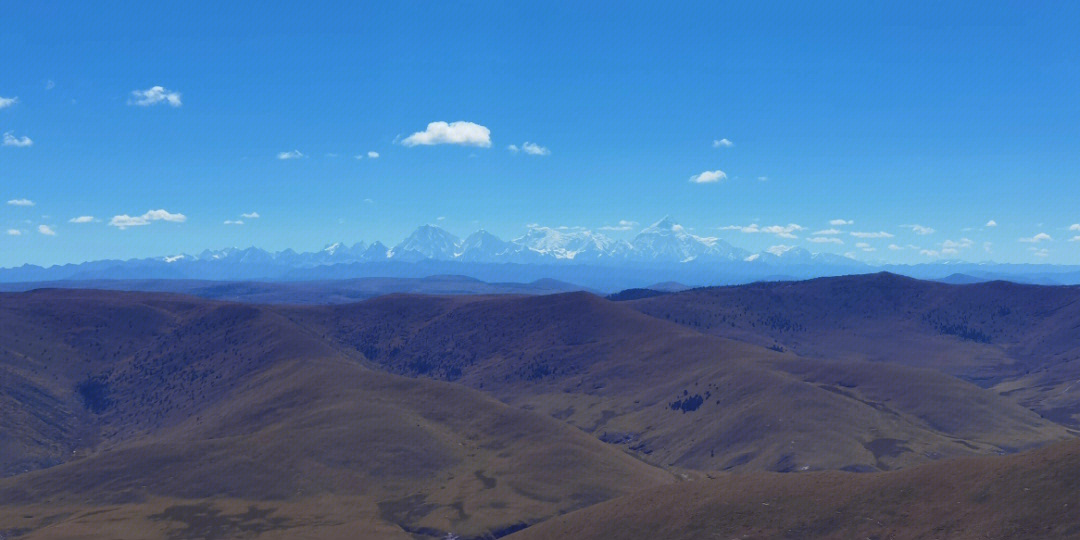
x=664, y=251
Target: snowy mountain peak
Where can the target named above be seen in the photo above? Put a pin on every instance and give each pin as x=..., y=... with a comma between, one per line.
x=427, y=242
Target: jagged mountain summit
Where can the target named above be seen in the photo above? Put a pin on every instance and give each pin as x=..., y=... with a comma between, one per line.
x=666, y=240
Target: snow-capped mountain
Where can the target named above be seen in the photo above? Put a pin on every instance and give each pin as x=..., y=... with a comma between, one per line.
x=427, y=242
x=482, y=246
x=664, y=247
x=562, y=244
x=668, y=241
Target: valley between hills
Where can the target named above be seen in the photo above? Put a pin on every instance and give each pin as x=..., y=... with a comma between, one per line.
x=863, y=406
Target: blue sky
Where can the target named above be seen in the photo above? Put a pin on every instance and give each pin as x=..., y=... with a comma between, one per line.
x=945, y=117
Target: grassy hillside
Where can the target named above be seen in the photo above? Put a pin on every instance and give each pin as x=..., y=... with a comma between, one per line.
x=149, y=415
x=1019, y=339
x=209, y=402
x=1031, y=495
x=674, y=396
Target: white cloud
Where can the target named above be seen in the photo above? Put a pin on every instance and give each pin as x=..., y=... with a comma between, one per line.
x=291, y=154
x=780, y=249
x=21, y=202
x=82, y=219
x=1075, y=239
x=963, y=243
x=919, y=229
x=17, y=142
x=840, y=222
x=153, y=96
x=895, y=247
x=1074, y=227
x=879, y=234
x=827, y=232
x=1040, y=252
x=865, y=247
x=124, y=221
x=14, y=232
x=373, y=155
x=708, y=177
x=46, y=230
x=234, y=222
x=6, y=102
x=991, y=223
x=783, y=231
x=987, y=247
x=825, y=240
x=1037, y=238
x=251, y=215
x=722, y=143
x=462, y=133
x=623, y=225
x=534, y=149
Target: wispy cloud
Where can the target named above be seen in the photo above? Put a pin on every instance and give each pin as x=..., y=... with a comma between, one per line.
x=291, y=154
x=21, y=202
x=879, y=234
x=894, y=247
x=460, y=133
x=124, y=221
x=708, y=177
x=722, y=143
x=82, y=219
x=530, y=148
x=1074, y=227
x=782, y=231
x=14, y=232
x=250, y=215
x=153, y=96
x=46, y=230
x=234, y=222
x=825, y=240
x=827, y=232
x=1039, y=252
x=840, y=222
x=373, y=155
x=865, y=247
x=17, y=142
x=919, y=229
x=991, y=223
x=6, y=102
x=1041, y=237
x=623, y=225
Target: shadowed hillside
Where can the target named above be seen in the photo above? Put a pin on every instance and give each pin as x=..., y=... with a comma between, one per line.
x=1022, y=340
x=192, y=401
x=152, y=415
x=674, y=396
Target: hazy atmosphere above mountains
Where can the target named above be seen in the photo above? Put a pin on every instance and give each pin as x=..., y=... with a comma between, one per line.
x=948, y=133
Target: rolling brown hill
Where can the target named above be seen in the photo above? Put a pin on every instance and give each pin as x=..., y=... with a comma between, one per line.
x=674, y=396
x=1029, y=495
x=149, y=415
x=202, y=408
x=1022, y=340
